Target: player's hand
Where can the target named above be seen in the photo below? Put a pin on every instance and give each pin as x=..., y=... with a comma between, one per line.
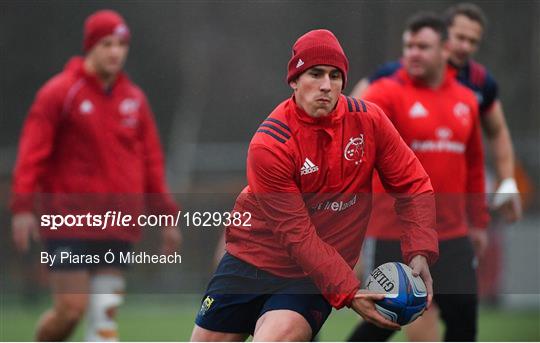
x=479, y=239
x=171, y=239
x=24, y=226
x=364, y=304
x=420, y=267
x=511, y=210
x=508, y=201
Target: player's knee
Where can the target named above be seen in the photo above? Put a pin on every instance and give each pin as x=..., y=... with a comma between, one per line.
x=294, y=331
x=425, y=328
x=200, y=334
x=282, y=325
x=107, y=295
x=71, y=308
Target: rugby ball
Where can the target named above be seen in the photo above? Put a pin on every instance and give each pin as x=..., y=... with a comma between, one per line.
x=406, y=295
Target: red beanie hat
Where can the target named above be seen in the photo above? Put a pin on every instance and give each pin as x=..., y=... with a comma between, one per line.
x=317, y=47
x=103, y=23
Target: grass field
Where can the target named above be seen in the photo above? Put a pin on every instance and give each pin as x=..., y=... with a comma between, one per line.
x=170, y=318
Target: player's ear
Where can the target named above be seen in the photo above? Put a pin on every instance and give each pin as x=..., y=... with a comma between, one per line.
x=446, y=49
x=294, y=84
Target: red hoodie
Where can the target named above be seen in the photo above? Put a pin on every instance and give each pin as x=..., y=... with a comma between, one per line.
x=442, y=128
x=85, y=149
x=309, y=194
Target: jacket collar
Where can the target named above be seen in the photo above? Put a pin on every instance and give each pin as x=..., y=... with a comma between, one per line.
x=332, y=119
x=449, y=75
x=76, y=66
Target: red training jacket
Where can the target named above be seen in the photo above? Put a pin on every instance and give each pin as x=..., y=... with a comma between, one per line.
x=309, y=194
x=442, y=128
x=86, y=149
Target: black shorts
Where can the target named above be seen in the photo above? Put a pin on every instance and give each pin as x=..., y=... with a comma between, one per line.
x=453, y=273
x=239, y=294
x=76, y=254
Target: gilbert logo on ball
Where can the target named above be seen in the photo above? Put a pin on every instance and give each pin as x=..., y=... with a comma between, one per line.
x=406, y=295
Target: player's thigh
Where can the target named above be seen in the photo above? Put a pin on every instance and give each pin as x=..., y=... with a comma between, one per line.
x=455, y=270
x=426, y=327
x=70, y=292
x=455, y=286
x=282, y=325
x=458, y=307
x=233, y=299
x=298, y=315
x=200, y=334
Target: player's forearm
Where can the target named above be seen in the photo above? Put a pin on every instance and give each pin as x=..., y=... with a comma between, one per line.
x=36, y=145
x=318, y=259
x=26, y=178
x=418, y=235
x=499, y=141
x=292, y=227
x=503, y=153
x=331, y=274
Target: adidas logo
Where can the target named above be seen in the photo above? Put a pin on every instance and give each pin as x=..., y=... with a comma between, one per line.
x=417, y=110
x=308, y=167
x=300, y=63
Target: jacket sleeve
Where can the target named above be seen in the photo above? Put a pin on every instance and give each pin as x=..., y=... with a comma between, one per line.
x=270, y=176
x=403, y=176
x=35, y=147
x=477, y=212
x=159, y=200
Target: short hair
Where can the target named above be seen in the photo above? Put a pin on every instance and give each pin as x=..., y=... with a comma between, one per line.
x=427, y=19
x=471, y=11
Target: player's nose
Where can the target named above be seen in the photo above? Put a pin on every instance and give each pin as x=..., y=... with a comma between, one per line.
x=325, y=83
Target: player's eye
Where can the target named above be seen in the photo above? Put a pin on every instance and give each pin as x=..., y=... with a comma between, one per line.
x=461, y=37
x=335, y=75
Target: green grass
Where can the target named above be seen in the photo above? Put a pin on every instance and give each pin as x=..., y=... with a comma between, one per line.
x=494, y=326
x=170, y=318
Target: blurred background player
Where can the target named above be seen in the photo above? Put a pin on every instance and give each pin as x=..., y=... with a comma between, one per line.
x=308, y=165
x=466, y=25
x=89, y=141
x=438, y=118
